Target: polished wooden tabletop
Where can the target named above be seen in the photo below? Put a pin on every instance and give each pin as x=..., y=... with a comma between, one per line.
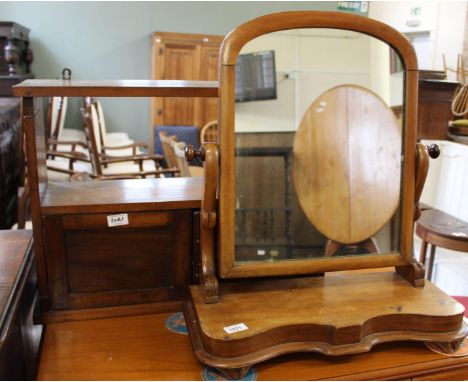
x=142, y=348
x=116, y=88
x=13, y=253
x=443, y=224
x=122, y=195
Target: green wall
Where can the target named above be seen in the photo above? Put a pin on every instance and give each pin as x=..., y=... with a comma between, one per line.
x=111, y=40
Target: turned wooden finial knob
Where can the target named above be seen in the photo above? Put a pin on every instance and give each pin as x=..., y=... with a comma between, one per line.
x=191, y=153
x=433, y=150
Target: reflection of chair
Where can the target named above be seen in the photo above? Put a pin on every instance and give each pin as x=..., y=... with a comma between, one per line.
x=169, y=155
x=349, y=195
x=209, y=132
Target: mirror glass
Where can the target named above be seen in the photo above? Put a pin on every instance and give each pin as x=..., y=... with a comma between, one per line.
x=318, y=134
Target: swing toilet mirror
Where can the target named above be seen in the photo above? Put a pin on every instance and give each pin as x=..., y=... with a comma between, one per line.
x=315, y=179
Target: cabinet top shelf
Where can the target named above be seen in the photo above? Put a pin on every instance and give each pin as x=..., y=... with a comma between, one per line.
x=122, y=195
x=116, y=88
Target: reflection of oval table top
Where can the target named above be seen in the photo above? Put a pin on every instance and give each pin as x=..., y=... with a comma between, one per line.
x=346, y=163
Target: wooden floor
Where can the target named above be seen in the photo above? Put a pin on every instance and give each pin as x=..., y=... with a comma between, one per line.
x=141, y=348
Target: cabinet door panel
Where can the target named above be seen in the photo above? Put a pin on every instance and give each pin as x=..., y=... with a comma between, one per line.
x=91, y=265
x=183, y=56
x=179, y=64
x=207, y=108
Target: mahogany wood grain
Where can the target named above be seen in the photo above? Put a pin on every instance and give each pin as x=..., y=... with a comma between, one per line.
x=19, y=336
x=109, y=312
x=346, y=163
x=298, y=312
x=208, y=221
x=92, y=265
x=141, y=348
x=374, y=295
x=116, y=88
x=35, y=142
x=412, y=271
x=422, y=167
x=122, y=195
x=13, y=249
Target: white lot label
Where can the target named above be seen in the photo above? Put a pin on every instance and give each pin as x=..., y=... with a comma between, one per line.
x=115, y=220
x=235, y=328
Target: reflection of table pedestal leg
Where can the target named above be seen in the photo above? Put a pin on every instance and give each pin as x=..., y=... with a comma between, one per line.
x=333, y=246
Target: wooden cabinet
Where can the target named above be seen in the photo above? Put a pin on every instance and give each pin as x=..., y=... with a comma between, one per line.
x=112, y=244
x=179, y=56
x=92, y=265
x=88, y=266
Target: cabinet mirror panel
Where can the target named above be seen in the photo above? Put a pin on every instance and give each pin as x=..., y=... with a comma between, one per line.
x=318, y=146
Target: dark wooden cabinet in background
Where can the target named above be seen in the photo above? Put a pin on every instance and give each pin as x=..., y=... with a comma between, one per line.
x=434, y=108
x=15, y=66
x=183, y=56
x=15, y=56
x=9, y=160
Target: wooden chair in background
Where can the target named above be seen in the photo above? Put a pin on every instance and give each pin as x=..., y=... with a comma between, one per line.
x=110, y=138
x=209, y=132
x=169, y=155
x=114, y=143
x=112, y=167
x=57, y=112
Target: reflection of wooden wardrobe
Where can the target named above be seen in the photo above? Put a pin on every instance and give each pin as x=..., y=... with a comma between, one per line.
x=182, y=56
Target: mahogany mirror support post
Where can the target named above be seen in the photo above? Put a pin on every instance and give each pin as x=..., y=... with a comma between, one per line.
x=208, y=153
x=414, y=272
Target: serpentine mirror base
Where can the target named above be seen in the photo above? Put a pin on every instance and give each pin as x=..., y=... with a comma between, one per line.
x=332, y=315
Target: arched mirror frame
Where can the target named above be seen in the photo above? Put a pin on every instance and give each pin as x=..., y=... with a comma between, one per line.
x=232, y=44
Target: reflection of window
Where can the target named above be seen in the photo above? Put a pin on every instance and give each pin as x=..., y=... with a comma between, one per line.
x=395, y=63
